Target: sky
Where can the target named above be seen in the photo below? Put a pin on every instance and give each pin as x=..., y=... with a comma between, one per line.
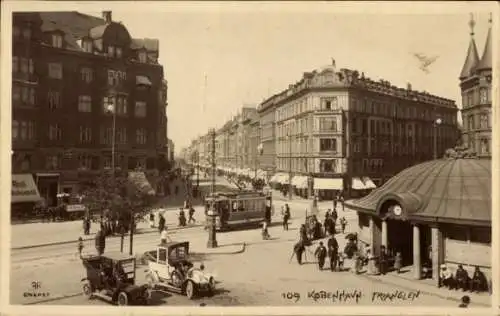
x=250, y=51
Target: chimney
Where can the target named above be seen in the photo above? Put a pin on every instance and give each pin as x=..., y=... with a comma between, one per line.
x=408, y=86
x=106, y=15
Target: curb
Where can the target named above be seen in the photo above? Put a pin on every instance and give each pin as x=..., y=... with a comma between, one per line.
x=449, y=298
x=89, y=238
x=242, y=250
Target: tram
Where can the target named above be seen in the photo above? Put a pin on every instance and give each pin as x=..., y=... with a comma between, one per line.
x=243, y=208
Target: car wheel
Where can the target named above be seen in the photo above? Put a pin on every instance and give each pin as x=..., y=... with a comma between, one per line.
x=87, y=289
x=190, y=289
x=122, y=299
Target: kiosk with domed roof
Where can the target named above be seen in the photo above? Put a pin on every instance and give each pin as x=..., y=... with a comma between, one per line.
x=433, y=213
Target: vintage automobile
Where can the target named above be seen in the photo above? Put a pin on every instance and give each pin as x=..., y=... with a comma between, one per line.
x=169, y=268
x=112, y=278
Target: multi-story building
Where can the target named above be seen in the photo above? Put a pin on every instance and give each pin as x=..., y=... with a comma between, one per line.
x=79, y=84
x=475, y=83
x=267, y=123
x=171, y=150
x=336, y=130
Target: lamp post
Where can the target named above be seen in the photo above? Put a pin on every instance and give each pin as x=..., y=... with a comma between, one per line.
x=437, y=122
x=212, y=214
x=111, y=108
x=260, y=151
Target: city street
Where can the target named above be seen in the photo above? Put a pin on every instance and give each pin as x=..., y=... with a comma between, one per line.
x=261, y=275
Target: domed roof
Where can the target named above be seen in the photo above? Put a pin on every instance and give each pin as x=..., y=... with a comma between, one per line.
x=447, y=190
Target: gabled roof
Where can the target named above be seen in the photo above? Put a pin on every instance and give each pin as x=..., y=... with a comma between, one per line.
x=487, y=59
x=471, y=60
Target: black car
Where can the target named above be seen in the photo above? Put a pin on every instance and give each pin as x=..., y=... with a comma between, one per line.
x=112, y=277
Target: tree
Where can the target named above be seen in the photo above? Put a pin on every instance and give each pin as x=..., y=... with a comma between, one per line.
x=123, y=199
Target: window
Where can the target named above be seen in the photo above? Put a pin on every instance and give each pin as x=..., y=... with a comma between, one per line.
x=327, y=165
x=142, y=56
x=111, y=51
x=140, y=109
x=328, y=124
x=27, y=33
x=15, y=64
x=115, y=77
x=484, y=121
x=107, y=161
x=27, y=66
x=84, y=103
x=86, y=74
x=480, y=235
x=55, y=70
x=470, y=98
x=84, y=162
x=106, y=135
x=471, y=122
x=328, y=144
x=87, y=46
x=52, y=162
x=485, y=146
x=118, y=52
x=55, y=132
x=140, y=136
x=121, y=101
x=57, y=40
x=16, y=93
x=16, y=31
x=483, y=95
x=15, y=129
x=24, y=94
x=54, y=99
x=121, y=135
x=85, y=134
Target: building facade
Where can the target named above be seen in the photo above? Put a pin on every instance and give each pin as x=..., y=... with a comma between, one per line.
x=267, y=124
x=475, y=84
x=346, y=132
x=78, y=83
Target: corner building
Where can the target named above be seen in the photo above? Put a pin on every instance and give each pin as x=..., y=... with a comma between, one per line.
x=68, y=70
x=339, y=131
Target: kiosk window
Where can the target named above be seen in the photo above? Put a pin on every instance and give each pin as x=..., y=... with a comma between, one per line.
x=162, y=255
x=235, y=207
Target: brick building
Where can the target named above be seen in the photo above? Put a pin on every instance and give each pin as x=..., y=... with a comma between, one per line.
x=78, y=82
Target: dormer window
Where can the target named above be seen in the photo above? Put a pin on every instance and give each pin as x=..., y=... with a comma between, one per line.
x=111, y=51
x=87, y=46
x=57, y=40
x=143, y=57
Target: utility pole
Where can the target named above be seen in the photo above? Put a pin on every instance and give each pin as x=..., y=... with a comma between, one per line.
x=212, y=212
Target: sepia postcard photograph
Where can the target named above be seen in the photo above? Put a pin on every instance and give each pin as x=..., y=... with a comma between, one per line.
x=227, y=156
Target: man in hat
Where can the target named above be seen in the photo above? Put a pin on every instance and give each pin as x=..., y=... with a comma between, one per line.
x=299, y=249
x=333, y=252
x=462, y=278
x=320, y=253
x=446, y=277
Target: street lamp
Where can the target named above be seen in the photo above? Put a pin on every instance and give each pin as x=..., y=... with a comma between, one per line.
x=212, y=213
x=260, y=150
x=437, y=122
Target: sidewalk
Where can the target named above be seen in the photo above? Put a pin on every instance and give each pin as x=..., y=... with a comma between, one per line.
x=41, y=234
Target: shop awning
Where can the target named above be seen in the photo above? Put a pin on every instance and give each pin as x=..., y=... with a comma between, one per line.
x=328, y=184
x=142, y=80
x=24, y=189
x=300, y=182
x=284, y=178
x=357, y=184
x=369, y=184
x=139, y=179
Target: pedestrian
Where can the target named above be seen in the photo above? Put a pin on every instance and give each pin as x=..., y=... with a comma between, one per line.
x=191, y=213
x=299, y=249
x=80, y=246
x=100, y=242
x=176, y=189
x=465, y=301
x=286, y=217
x=85, y=226
x=462, y=278
x=343, y=223
x=341, y=200
x=335, y=199
x=164, y=236
x=479, y=282
x=161, y=223
x=446, y=277
x=333, y=250
x=152, y=219
x=398, y=261
x=383, y=260
x=320, y=253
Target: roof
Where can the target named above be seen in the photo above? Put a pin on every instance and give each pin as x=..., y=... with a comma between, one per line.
x=446, y=190
x=118, y=256
x=487, y=58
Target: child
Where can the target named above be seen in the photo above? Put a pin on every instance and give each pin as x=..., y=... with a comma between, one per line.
x=320, y=253
x=343, y=223
x=398, y=262
x=80, y=246
x=341, y=262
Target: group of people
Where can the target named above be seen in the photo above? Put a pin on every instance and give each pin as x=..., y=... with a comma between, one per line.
x=462, y=280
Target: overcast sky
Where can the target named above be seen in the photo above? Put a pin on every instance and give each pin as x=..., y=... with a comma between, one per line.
x=249, y=51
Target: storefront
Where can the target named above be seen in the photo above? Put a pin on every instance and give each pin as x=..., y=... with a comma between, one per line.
x=24, y=196
x=328, y=188
x=361, y=186
x=300, y=184
x=48, y=186
x=437, y=212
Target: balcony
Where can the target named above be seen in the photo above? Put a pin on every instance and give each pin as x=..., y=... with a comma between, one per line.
x=25, y=78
